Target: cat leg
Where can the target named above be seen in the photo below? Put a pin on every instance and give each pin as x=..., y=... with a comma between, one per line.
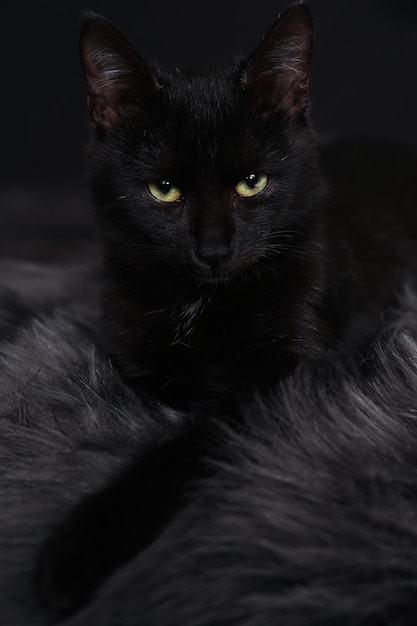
x=111, y=527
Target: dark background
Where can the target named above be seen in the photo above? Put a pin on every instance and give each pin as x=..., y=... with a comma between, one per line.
x=364, y=74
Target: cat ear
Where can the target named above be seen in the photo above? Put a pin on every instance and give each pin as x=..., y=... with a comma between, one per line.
x=117, y=78
x=277, y=72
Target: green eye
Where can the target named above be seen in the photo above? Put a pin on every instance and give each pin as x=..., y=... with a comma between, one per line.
x=164, y=190
x=251, y=185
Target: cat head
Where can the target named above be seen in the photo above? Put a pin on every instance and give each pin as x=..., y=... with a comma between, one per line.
x=202, y=174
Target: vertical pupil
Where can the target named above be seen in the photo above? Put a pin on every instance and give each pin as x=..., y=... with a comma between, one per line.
x=251, y=180
x=164, y=186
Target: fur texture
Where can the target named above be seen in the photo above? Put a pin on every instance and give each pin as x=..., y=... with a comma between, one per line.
x=311, y=518
x=300, y=507
x=210, y=293
x=66, y=423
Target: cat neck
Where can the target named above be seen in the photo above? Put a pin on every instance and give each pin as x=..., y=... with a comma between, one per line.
x=168, y=335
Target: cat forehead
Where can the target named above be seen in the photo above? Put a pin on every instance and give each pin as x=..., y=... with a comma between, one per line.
x=202, y=120
x=199, y=120
x=206, y=94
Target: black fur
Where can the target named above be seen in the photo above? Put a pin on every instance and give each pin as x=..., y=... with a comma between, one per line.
x=67, y=423
x=205, y=300
x=193, y=290
x=216, y=291
x=299, y=509
x=310, y=518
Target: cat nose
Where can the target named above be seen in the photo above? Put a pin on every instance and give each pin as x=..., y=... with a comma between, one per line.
x=212, y=255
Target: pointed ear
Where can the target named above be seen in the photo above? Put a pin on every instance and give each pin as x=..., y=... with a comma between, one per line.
x=277, y=72
x=117, y=78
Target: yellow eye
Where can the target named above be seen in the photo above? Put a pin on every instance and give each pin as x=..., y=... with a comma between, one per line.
x=164, y=190
x=251, y=185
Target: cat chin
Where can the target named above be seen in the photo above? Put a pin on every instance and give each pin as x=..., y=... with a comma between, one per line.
x=225, y=276
x=215, y=280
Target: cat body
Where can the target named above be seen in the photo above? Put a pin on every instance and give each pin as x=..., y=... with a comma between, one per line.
x=223, y=286
x=332, y=285
x=196, y=295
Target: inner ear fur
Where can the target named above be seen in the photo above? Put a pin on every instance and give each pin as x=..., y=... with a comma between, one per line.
x=277, y=72
x=117, y=78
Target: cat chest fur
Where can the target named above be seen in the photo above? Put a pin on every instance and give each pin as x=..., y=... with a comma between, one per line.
x=181, y=345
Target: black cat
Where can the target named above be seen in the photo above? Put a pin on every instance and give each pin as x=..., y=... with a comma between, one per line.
x=227, y=262
x=207, y=194
x=224, y=262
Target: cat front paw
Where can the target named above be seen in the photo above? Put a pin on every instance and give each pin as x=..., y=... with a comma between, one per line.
x=73, y=562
